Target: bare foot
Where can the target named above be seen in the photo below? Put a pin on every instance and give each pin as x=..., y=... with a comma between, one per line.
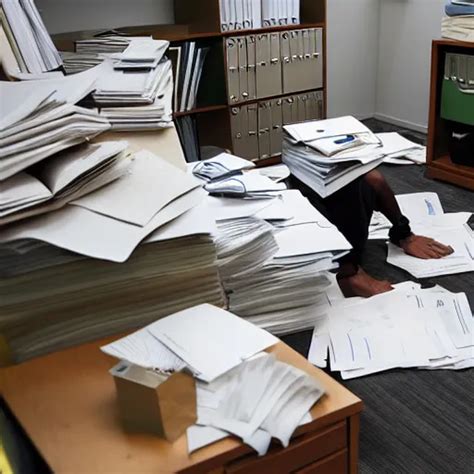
x=362, y=284
x=425, y=248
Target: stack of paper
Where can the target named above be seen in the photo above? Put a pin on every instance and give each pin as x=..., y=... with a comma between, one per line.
x=78, y=62
x=240, y=391
x=406, y=328
x=52, y=299
x=400, y=151
x=277, y=289
x=138, y=99
x=26, y=40
x=105, y=44
x=326, y=155
x=67, y=176
x=144, y=53
x=220, y=167
x=40, y=119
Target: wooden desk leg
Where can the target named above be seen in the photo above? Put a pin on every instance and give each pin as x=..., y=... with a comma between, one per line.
x=354, y=427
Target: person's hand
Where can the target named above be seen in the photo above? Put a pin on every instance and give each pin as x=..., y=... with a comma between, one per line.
x=425, y=248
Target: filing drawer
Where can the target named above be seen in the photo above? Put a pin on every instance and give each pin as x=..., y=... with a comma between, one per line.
x=335, y=464
x=303, y=451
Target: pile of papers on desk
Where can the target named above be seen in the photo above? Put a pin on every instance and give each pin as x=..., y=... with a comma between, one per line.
x=27, y=48
x=405, y=328
x=427, y=218
x=459, y=22
x=40, y=119
x=53, y=296
x=327, y=155
x=241, y=391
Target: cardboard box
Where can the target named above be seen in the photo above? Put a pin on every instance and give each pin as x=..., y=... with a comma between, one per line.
x=151, y=402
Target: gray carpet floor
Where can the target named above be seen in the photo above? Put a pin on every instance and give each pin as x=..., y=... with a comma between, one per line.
x=414, y=421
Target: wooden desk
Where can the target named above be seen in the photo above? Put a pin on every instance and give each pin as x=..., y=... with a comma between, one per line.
x=66, y=404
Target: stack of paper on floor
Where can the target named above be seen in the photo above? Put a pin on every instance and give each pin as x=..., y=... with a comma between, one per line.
x=405, y=328
x=40, y=119
x=65, y=177
x=25, y=40
x=52, y=299
x=282, y=295
x=137, y=99
x=327, y=155
x=427, y=218
x=240, y=391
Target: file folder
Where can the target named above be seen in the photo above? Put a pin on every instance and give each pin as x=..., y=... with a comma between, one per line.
x=252, y=134
x=264, y=125
x=263, y=59
x=243, y=75
x=274, y=84
x=233, y=84
x=320, y=104
x=276, y=132
x=251, y=67
x=287, y=109
x=316, y=35
x=285, y=51
x=301, y=107
x=238, y=142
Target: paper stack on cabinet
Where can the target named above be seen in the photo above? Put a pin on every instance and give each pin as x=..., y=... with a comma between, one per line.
x=327, y=155
x=27, y=48
x=53, y=298
x=240, y=391
x=405, y=328
x=459, y=22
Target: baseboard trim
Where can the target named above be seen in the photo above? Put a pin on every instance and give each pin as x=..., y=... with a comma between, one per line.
x=401, y=123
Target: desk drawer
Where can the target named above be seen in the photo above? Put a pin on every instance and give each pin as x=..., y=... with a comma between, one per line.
x=303, y=451
x=334, y=464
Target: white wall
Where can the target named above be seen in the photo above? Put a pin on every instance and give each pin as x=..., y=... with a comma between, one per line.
x=352, y=41
x=407, y=28
x=74, y=15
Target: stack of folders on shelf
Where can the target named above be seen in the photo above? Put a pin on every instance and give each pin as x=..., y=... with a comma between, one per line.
x=409, y=327
x=40, y=118
x=257, y=129
x=270, y=64
x=327, y=155
x=27, y=50
x=459, y=22
x=190, y=58
x=252, y=14
x=229, y=373
x=60, y=282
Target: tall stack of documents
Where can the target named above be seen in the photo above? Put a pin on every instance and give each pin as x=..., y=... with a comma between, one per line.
x=190, y=59
x=459, y=22
x=229, y=374
x=406, y=328
x=40, y=118
x=253, y=14
x=27, y=48
x=60, y=282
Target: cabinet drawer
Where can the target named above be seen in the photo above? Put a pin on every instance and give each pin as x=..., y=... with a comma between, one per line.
x=303, y=451
x=335, y=464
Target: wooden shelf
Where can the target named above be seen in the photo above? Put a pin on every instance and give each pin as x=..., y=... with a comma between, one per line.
x=200, y=110
x=444, y=169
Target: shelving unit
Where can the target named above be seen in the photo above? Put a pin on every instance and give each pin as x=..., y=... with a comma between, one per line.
x=200, y=21
x=439, y=164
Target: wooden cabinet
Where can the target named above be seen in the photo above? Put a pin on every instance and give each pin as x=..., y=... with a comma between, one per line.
x=439, y=163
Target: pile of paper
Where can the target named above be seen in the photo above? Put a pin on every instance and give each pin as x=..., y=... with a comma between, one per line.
x=400, y=151
x=52, y=299
x=39, y=119
x=327, y=155
x=137, y=99
x=427, y=218
x=221, y=166
x=27, y=48
x=240, y=391
x=405, y=328
x=65, y=177
x=107, y=43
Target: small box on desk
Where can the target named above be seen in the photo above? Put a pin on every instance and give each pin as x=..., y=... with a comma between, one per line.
x=151, y=402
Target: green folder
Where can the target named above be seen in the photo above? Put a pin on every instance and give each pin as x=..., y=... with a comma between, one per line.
x=456, y=105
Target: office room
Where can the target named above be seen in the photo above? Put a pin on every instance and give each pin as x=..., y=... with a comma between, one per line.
x=236, y=236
